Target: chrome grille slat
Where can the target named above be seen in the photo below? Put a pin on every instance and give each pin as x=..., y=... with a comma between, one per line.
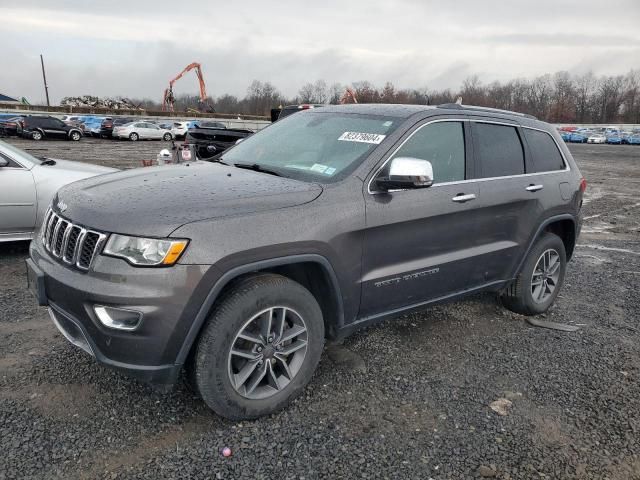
x=61, y=229
x=52, y=228
x=45, y=224
x=69, y=242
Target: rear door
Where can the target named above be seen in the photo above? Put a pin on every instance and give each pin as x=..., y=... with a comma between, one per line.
x=54, y=128
x=420, y=244
x=18, y=203
x=508, y=205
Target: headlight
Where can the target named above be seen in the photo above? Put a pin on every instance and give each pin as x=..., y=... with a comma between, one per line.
x=146, y=252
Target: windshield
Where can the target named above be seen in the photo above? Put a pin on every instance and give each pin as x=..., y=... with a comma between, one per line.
x=314, y=146
x=20, y=156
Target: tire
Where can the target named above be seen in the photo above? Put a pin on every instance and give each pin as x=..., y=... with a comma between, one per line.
x=37, y=135
x=241, y=308
x=75, y=136
x=167, y=137
x=134, y=137
x=519, y=296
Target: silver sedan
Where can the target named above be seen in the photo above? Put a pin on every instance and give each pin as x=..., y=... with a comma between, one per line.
x=141, y=131
x=27, y=185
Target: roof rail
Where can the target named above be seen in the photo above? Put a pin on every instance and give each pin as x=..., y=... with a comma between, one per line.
x=457, y=106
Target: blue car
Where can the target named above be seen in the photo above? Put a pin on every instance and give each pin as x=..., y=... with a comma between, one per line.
x=614, y=138
x=579, y=137
x=565, y=135
x=634, y=139
x=92, y=125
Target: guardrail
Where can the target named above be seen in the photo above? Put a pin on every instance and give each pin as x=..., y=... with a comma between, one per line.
x=252, y=122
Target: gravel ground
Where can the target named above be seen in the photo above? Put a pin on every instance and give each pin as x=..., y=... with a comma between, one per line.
x=406, y=399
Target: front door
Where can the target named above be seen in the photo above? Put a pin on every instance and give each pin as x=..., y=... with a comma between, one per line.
x=17, y=199
x=420, y=244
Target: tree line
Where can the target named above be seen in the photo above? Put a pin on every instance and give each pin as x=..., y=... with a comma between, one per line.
x=558, y=98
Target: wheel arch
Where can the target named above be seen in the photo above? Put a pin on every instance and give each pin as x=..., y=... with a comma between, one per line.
x=312, y=271
x=564, y=226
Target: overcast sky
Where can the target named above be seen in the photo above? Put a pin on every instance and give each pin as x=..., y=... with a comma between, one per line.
x=133, y=48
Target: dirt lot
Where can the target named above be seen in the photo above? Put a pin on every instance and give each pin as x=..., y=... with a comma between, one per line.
x=406, y=399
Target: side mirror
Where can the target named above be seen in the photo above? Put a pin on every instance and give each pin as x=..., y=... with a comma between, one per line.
x=407, y=172
x=3, y=162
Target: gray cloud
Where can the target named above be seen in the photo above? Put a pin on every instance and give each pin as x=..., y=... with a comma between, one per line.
x=94, y=48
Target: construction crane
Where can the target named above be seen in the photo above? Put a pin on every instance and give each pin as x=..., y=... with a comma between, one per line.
x=349, y=96
x=168, y=99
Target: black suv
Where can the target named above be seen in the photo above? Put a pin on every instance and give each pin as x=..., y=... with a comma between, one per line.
x=318, y=225
x=41, y=127
x=108, y=124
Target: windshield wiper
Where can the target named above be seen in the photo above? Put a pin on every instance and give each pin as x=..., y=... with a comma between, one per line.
x=257, y=168
x=47, y=161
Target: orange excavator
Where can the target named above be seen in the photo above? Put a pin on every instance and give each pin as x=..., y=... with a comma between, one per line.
x=168, y=99
x=349, y=96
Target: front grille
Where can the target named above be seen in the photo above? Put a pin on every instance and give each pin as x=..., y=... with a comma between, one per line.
x=70, y=243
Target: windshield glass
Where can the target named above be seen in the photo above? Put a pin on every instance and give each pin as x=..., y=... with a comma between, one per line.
x=20, y=156
x=314, y=146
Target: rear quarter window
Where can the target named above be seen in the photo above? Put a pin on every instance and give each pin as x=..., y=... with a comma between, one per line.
x=498, y=149
x=545, y=156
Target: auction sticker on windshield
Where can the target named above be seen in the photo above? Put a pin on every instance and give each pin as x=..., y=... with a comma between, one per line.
x=361, y=137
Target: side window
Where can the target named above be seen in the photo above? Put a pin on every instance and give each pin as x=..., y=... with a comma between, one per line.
x=12, y=164
x=499, y=150
x=545, y=156
x=441, y=143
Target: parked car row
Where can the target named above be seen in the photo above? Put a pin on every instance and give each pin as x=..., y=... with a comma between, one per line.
x=602, y=135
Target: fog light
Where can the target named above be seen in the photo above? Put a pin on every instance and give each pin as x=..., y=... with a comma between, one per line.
x=118, y=318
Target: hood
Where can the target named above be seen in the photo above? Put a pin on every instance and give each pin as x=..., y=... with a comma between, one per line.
x=155, y=201
x=79, y=167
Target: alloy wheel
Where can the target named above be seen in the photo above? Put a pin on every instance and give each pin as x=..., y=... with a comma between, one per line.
x=546, y=273
x=267, y=353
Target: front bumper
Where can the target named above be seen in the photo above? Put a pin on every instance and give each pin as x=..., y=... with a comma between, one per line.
x=168, y=299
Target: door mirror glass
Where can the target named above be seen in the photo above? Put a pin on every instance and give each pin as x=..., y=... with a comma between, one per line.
x=4, y=162
x=407, y=172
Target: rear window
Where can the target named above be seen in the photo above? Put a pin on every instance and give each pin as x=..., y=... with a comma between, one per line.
x=545, y=156
x=499, y=150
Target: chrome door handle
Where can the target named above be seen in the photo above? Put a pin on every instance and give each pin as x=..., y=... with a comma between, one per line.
x=461, y=198
x=534, y=188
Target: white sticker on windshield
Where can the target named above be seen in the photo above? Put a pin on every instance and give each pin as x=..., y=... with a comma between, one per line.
x=317, y=167
x=361, y=137
x=330, y=171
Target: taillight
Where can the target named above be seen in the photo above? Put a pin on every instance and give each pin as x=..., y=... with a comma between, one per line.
x=583, y=184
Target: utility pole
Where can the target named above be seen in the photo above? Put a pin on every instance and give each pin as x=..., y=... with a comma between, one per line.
x=44, y=78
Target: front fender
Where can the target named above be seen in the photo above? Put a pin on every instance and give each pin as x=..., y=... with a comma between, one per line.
x=236, y=272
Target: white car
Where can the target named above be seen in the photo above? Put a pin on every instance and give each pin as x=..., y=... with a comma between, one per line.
x=597, y=138
x=142, y=131
x=179, y=129
x=27, y=185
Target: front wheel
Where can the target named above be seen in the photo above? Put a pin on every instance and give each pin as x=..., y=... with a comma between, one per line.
x=259, y=348
x=539, y=282
x=75, y=136
x=134, y=137
x=166, y=137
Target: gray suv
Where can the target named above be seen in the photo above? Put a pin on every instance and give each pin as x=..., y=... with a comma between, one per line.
x=322, y=223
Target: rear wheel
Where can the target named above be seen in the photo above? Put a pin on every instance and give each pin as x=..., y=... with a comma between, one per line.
x=539, y=282
x=166, y=137
x=259, y=347
x=134, y=137
x=36, y=135
x=75, y=136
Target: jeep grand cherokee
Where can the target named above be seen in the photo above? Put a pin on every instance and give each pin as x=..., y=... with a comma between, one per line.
x=320, y=224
